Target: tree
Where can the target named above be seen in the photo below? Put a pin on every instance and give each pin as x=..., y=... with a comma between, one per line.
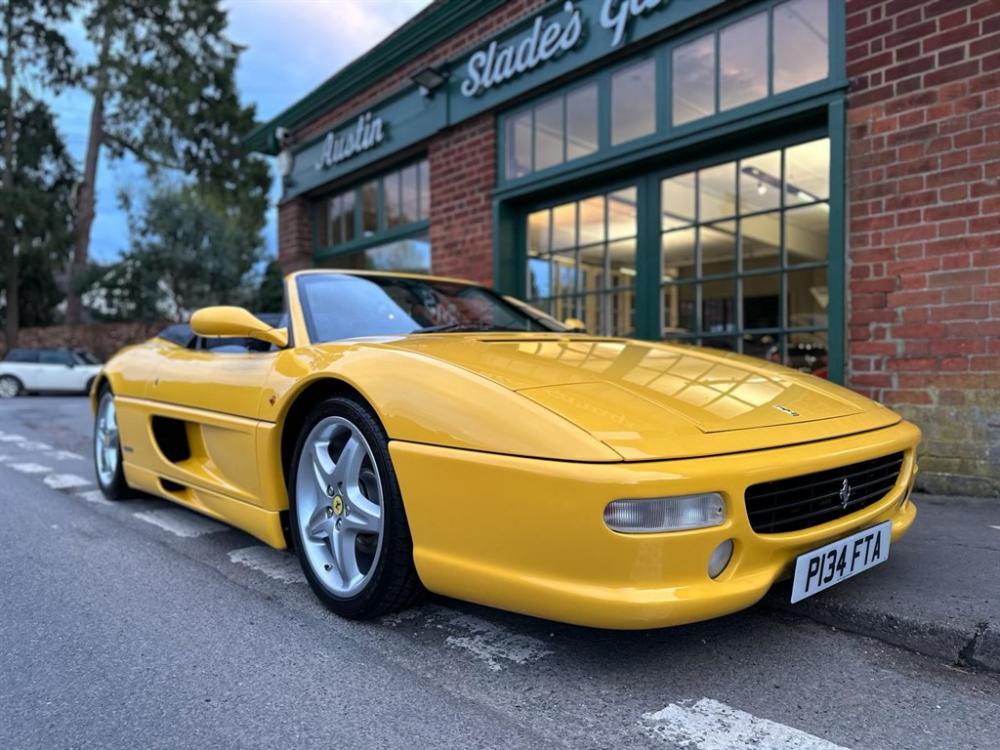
x=30, y=47
x=189, y=248
x=271, y=292
x=163, y=87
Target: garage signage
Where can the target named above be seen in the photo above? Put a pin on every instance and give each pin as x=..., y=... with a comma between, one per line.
x=548, y=39
x=367, y=133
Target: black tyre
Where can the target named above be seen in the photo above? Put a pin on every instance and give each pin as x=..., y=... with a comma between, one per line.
x=107, y=449
x=347, y=519
x=10, y=386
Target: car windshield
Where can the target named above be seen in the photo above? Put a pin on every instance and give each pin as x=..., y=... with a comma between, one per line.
x=341, y=306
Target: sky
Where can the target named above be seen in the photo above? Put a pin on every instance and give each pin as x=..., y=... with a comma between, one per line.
x=292, y=46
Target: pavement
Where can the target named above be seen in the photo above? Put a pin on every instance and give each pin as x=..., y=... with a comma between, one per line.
x=140, y=624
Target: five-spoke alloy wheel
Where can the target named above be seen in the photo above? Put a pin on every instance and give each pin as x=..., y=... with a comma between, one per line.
x=107, y=448
x=347, y=517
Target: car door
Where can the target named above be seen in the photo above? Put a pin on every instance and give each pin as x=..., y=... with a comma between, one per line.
x=206, y=400
x=56, y=370
x=23, y=365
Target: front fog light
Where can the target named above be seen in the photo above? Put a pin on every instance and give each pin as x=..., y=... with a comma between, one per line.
x=665, y=513
x=720, y=559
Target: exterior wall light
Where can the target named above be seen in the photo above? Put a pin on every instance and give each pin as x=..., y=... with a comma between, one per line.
x=430, y=79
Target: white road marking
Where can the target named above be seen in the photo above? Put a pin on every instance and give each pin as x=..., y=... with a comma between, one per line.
x=66, y=481
x=181, y=522
x=273, y=563
x=710, y=725
x=94, y=496
x=492, y=644
x=34, y=445
x=995, y=527
x=30, y=468
x=64, y=455
x=9, y=437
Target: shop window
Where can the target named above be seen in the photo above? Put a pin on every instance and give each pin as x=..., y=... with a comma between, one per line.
x=411, y=255
x=581, y=261
x=799, y=51
x=556, y=130
x=393, y=202
x=633, y=102
x=744, y=251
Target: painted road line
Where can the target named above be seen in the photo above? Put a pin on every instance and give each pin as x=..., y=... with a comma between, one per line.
x=181, y=522
x=273, y=563
x=30, y=468
x=995, y=527
x=487, y=642
x=63, y=456
x=710, y=725
x=66, y=481
x=9, y=437
x=34, y=446
x=94, y=496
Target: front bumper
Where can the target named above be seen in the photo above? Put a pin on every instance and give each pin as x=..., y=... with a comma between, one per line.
x=528, y=535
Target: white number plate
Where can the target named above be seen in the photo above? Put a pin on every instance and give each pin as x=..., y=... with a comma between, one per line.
x=827, y=566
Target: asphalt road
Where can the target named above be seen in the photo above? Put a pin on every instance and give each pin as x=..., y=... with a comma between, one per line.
x=139, y=624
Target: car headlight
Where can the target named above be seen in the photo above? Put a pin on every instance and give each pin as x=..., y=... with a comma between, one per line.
x=665, y=513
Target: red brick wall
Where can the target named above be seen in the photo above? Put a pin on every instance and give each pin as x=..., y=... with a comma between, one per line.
x=294, y=235
x=463, y=173
x=924, y=226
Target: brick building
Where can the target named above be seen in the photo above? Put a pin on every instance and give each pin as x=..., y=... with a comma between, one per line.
x=810, y=181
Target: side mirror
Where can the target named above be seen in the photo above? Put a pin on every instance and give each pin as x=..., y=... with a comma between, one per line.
x=575, y=325
x=224, y=321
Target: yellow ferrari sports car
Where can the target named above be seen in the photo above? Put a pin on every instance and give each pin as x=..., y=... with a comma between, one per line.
x=405, y=433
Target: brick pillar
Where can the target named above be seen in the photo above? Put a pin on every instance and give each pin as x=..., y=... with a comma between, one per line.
x=463, y=174
x=294, y=235
x=924, y=234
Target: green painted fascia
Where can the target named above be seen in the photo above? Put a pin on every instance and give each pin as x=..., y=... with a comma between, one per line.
x=439, y=22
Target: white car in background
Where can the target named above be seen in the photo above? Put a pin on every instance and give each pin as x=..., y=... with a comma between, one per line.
x=49, y=370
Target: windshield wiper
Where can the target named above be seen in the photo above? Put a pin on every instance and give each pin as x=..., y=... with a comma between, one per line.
x=461, y=327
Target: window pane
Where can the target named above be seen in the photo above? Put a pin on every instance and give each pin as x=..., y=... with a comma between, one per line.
x=412, y=255
x=592, y=277
x=678, y=254
x=564, y=273
x=765, y=345
x=762, y=301
x=800, y=43
x=806, y=232
x=808, y=352
x=409, y=202
x=761, y=241
x=678, y=308
x=725, y=343
x=621, y=256
x=633, y=102
x=564, y=307
x=347, y=216
x=392, y=203
x=564, y=226
x=743, y=62
x=592, y=220
x=718, y=306
x=760, y=182
x=622, y=214
x=539, y=278
x=717, y=192
x=538, y=232
x=549, y=133
x=425, y=189
x=592, y=312
x=581, y=122
x=622, y=313
x=323, y=223
x=718, y=248
x=369, y=208
x=808, y=297
x=518, y=145
x=677, y=201
x=807, y=172
x=334, y=236
x=694, y=80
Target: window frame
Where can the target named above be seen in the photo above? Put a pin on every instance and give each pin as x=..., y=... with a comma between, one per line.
x=383, y=234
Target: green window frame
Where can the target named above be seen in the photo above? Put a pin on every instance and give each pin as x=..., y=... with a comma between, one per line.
x=343, y=222
x=662, y=59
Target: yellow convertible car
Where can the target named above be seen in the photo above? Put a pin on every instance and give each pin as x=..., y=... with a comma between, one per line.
x=404, y=433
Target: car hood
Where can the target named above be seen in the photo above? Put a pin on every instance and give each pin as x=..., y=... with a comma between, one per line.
x=648, y=400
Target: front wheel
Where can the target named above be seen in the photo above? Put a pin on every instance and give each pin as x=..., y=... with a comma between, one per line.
x=10, y=386
x=107, y=449
x=347, y=518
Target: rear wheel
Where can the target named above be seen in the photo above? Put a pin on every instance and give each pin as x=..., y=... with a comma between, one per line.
x=10, y=386
x=347, y=517
x=107, y=448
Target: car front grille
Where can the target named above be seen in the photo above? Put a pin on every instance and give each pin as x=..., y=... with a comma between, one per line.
x=811, y=499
